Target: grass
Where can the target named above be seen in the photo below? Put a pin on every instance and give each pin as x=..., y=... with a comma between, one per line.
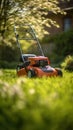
x=36, y=104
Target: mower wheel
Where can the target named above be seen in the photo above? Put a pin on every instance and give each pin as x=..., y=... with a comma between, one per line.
x=31, y=73
x=60, y=73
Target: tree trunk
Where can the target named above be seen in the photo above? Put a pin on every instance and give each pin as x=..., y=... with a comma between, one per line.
x=4, y=4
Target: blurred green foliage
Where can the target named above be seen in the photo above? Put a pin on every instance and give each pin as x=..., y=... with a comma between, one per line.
x=62, y=43
x=36, y=104
x=8, y=53
x=68, y=63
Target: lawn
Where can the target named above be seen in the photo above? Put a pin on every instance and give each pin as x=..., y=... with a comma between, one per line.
x=36, y=104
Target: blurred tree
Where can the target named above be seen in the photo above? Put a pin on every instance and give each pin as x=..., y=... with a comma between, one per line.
x=31, y=11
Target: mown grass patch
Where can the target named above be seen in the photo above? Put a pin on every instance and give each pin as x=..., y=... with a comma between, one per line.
x=36, y=104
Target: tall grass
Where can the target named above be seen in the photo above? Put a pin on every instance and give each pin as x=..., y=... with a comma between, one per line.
x=36, y=104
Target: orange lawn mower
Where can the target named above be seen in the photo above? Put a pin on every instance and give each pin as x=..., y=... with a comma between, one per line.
x=33, y=65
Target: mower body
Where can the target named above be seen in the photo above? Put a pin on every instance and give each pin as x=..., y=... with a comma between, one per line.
x=37, y=66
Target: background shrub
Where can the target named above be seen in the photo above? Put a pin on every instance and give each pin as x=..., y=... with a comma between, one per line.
x=68, y=63
x=63, y=45
x=8, y=53
x=9, y=65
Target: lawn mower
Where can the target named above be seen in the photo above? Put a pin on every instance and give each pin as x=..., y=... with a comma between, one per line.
x=34, y=65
